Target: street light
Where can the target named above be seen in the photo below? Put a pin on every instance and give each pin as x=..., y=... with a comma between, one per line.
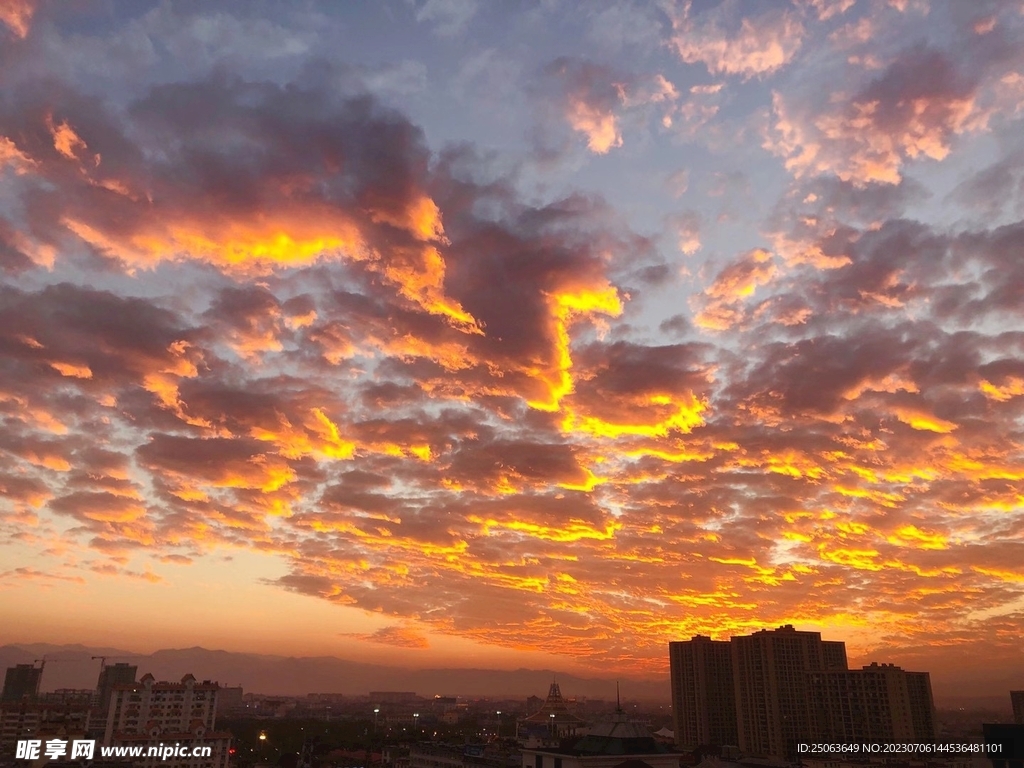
x=376, y=710
x=499, y=724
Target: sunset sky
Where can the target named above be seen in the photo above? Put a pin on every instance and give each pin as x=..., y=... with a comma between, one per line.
x=450, y=332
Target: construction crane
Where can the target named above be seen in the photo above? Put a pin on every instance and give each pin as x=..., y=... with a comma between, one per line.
x=42, y=662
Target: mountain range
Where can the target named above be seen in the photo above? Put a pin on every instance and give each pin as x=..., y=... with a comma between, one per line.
x=71, y=666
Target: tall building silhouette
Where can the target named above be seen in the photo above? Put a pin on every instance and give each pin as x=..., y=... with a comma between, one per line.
x=770, y=669
x=771, y=690
x=878, y=703
x=1017, y=702
x=21, y=682
x=703, y=693
x=111, y=675
x=922, y=705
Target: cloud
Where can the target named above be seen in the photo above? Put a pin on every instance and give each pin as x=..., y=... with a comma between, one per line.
x=732, y=286
x=913, y=110
x=687, y=226
x=17, y=15
x=449, y=17
x=263, y=316
x=760, y=46
x=594, y=100
x=591, y=100
x=398, y=636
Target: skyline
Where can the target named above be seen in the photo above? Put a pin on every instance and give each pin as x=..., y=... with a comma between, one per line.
x=532, y=336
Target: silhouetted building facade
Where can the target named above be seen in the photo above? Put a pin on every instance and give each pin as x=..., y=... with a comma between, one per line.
x=770, y=669
x=789, y=687
x=121, y=673
x=110, y=676
x=878, y=703
x=703, y=692
x=231, y=703
x=1005, y=743
x=1017, y=702
x=21, y=682
x=922, y=705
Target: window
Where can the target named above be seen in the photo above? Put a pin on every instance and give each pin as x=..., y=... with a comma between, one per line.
x=538, y=761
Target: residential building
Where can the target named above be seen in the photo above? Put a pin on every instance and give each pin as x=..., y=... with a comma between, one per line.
x=703, y=692
x=148, y=713
x=791, y=687
x=879, y=703
x=110, y=675
x=770, y=673
x=231, y=701
x=21, y=682
x=63, y=714
x=922, y=705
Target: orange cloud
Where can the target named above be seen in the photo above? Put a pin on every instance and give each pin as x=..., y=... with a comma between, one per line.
x=760, y=47
x=17, y=15
x=598, y=126
x=913, y=110
x=398, y=636
x=732, y=286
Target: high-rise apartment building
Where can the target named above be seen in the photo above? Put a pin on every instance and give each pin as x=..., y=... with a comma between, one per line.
x=833, y=654
x=110, y=676
x=21, y=682
x=703, y=694
x=790, y=687
x=922, y=706
x=1017, y=702
x=878, y=703
x=121, y=673
x=770, y=670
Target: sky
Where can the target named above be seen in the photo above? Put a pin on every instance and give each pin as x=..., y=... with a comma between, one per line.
x=446, y=332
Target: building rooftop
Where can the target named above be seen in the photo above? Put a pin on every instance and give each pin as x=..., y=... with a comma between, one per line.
x=618, y=736
x=554, y=709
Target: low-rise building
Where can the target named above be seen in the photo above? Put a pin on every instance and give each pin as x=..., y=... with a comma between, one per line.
x=617, y=743
x=54, y=718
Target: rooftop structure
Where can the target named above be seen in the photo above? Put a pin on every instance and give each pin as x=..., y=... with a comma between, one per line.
x=552, y=721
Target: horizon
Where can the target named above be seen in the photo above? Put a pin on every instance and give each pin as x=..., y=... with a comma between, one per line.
x=948, y=694
x=530, y=336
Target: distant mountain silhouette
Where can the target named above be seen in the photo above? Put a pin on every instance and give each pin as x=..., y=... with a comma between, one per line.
x=70, y=666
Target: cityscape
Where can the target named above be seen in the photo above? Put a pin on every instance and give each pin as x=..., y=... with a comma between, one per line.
x=777, y=697
x=520, y=384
